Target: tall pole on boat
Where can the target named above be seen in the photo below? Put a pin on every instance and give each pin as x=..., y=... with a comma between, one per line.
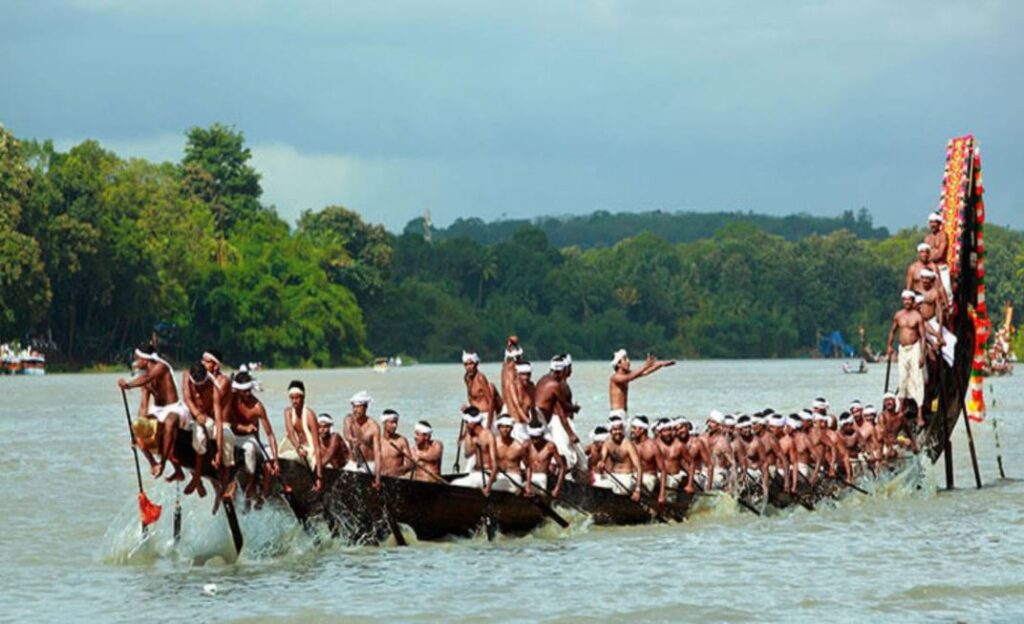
x=970, y=445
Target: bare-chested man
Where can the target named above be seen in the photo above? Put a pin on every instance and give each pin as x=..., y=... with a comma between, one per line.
x=427, y=452
x=510, y=387
x=335, y=451
x=805, y=452
x=211, y=360
x=554, y=402
x=395, y=454
x=913, y=281
x=909, y=325
x=723, y=459
x=869, y=437
x=156, y=380
x=245, y=416
x=363, y=437
x=830, y=447
x=512, y=456
x=622, y=376
x=197, y=388
x=894, y=426
x=697, y=456
x=542, y=453
x=480, y=392
x=933, y=308
x=478, y=443
x=674, y=457
x=597, y=439
x=619, y=468
x=302, y=442
x=786, y=462
x=525, y=398
x=756, y=455
x=939, y=243
x=852, y=439
x=651, y=462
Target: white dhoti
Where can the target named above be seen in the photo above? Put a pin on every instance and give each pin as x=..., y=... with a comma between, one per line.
x=949, y=348
x=651, y=482
x=287, y=450
x=248, y=444
x=163, y=412
x=675, y=481
x=573, y=454
x=539, y=479
x=911, y=374
x=474, y=479
x=201, y=435
x=519, y=433
x=619, y=482
x=944, y=278
x=353, y=466
x=803, y=469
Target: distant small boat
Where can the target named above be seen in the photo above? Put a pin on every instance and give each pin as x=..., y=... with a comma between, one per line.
x=380, y=365
x=859, y=370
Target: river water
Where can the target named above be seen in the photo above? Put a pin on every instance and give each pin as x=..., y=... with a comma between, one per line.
x=69, y=534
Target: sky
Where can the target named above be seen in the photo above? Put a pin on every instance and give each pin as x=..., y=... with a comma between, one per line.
x=523, y=109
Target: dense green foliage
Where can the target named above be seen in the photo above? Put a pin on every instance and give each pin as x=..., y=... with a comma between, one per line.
x=97, y=251
x=604, y=229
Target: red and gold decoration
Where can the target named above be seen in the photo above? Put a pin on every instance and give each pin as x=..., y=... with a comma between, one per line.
x=962, y=182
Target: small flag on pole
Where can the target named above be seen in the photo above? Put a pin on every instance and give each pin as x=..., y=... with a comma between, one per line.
x=148, y=510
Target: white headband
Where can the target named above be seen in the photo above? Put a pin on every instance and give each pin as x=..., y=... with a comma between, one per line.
x=870, y=409
x=820, y=403
x=535, y=432
x=856, y=404
x=935, y=217
x=636, y=422
x=421, y=428
x=324, y=419
x=472, y=420
x=389, y=416
x=524, y=369
x=361, y=398
x=241, y=387
x=559, y=365
x=299, y=391
x=207, y=354
x=505, y=421
x=908, y=294
x=152, y=357
x=468, y=357
x=618, y=357
x=715, y=416
x=795, y=423
x=924, y=247
x=889, y=395
x=598, y=437
x=511, y=354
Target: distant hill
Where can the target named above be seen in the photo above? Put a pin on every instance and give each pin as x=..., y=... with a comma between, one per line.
x=604, y=229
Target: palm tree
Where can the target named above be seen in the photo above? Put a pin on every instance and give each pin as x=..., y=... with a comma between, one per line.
x=488, y=269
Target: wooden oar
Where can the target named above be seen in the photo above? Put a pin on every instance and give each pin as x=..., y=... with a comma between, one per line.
x=177, y=514
x=888, y=368
x=848, y=484
x=286, y=490
x=458, y=445
x=236, y=531
x=999, y=449
x=738, y=499
x=146, y=508
x=546, y=509
x=389, y=518
x=643, y=503
x=419, y=464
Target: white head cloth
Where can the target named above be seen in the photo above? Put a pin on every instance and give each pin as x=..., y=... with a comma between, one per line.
x=473, y=420
x=421, y=428
x=598, y=437
x=908, y=294
x=207, y=354
x=559, y=364
x=505, y=421
x=389, y=415
x=537, y=432
x=716, y=417
x=511, y=354
x=619, y=355
x=324, y=419
x=935, y=216
x=241, y=387
x=468, y=357
x=889, y=395
x=636, y=422
x=361, y=398
x=524, y=369
x=924, y=247
x=870, y=409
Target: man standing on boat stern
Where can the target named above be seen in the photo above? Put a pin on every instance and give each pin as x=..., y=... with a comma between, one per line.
x=622, y=375
x=157, y=381
x=480, y=392
x=909, y=325
x=939, y=243
x=363, y=437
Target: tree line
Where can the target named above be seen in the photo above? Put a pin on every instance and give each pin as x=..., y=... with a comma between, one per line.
x=98, y=251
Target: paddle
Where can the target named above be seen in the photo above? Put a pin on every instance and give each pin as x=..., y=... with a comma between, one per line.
x=388, y=517
x=888, y=368
x=458, y=445
x=149, y=512
x=177, y=514
x=643, y=503
x=286, y=490
x=546, y=509
x=423, y=467
x=848, y=484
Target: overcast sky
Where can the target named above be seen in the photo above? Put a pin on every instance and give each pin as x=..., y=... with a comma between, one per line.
x=522, y=109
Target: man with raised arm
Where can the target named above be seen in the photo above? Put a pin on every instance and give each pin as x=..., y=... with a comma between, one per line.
x=510, y=387
x=908, y=325
x=363, y=436
x=480, y=393
x=156, y=380
x=623, y=375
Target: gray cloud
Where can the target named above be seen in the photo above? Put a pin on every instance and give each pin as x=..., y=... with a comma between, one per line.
x=539, y=108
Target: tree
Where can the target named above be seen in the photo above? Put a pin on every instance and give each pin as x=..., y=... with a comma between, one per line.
x=355, y=254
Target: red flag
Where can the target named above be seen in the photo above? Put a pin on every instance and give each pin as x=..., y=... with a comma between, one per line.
x=148, y=510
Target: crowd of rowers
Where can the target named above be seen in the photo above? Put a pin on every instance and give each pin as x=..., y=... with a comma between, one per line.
x=525, y=443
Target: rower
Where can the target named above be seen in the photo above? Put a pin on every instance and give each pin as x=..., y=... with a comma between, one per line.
x=803, y=449
x=511, y=390
x=831, y=447
x=650, y=459
x=869, y=437
x=427, y=452
x=697, y=456
x=923, y=262
x=478, y=443
x=246, y=415
x=211, y=360
x=394, y=448
x=622, y=463
x=786, y=459
x=908, y=324
x=511, y=456
x=852, y=439
x=363, y=436
x=597, y=438
x=672, y=452
x=895, y=428
x=335, y=451
x=480, y=392
x=756, y=457
x=720, y=448
x=197, y=388
x=157, y=381
x=939, y=244
x=525, y=399
x=542, y=455
x=302, y=442
x=554, y=402
x=622, y=376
